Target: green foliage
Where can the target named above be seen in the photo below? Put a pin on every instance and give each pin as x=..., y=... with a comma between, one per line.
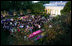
x=11, y=5
x=5, y=5
x=46, y=15
x=67, y=8
x=23, y=5
x=43, y=2
x=37, y=8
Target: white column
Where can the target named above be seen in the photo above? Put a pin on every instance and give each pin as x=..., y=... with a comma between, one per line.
x=51, y=11
x=56, y=12
x=47, y=11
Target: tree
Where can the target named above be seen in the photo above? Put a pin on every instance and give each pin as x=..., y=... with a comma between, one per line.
x=11, y=5
x=43, y=2
x=67, y=8
x=37, y=8
x=5, y=5
x=66, y=13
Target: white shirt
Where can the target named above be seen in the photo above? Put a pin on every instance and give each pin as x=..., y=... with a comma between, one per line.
x=32, y=16
x=10, y=22
x=50, y=26
x=12, y=30
x=21, y=26
x=39, y=26
x=11, y=19
x=27, y=26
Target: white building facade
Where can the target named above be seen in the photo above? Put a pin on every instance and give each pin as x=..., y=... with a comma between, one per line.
x=54, y=7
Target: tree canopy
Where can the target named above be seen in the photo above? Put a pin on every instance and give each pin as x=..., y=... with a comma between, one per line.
x=43, y=2
x=67, y=8
x=37, y=8
x=23, y=5
x=6, y=5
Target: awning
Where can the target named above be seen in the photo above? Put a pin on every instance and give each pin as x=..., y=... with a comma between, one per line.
x=35, y=33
